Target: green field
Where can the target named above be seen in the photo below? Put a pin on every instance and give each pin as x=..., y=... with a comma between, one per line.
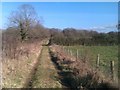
x=89, y=53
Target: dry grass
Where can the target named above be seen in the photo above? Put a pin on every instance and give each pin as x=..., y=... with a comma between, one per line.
x=15, y=71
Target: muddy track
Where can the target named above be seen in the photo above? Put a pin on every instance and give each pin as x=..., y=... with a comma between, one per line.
x=44, y=74
x=37, y=78
x=29, y=80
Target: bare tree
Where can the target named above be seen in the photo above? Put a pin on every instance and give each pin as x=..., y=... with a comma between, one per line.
x=23, y=18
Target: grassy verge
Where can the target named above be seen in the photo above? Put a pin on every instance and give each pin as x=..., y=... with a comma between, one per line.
x=89, y=53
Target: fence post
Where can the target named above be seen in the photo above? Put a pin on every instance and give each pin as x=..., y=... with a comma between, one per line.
x=98, y=61
x=77, y=55
x=71, y=53
x=68, y=51
x=63, y=48
x=112, y=70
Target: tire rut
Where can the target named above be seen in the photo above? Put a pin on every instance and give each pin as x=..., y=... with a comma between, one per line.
x=29, y=80
x=44, y=74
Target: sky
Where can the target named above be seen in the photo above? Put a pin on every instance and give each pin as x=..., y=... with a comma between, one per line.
x=100, y=16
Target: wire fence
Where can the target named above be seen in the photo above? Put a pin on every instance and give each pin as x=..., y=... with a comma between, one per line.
x=108, y=68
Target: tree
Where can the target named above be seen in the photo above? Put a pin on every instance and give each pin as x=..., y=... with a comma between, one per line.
x=23, y=18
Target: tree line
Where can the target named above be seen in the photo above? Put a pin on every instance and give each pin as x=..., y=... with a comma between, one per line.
x=71, y=36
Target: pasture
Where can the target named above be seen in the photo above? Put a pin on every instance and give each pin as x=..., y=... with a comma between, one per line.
x=90, y=53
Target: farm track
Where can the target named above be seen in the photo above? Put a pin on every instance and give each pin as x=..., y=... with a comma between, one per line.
x=44, y=73
x=29, y=80
x=47, y=73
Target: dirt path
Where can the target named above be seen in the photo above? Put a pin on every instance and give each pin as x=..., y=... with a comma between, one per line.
x=46, y=75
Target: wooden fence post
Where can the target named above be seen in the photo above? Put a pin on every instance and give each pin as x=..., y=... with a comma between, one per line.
x=112, y=70
x=71, y=53
x=63, y=48
x=98, y=61
x=77, y=55
x=68, y=51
